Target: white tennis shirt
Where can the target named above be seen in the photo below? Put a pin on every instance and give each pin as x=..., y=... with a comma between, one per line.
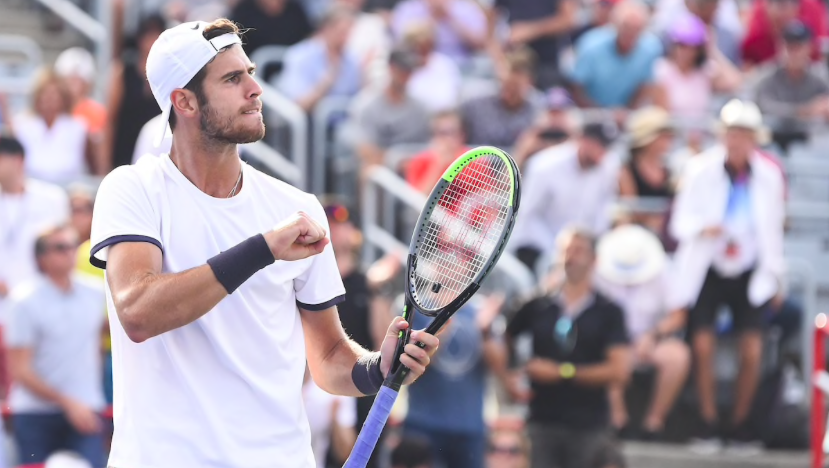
x=226, y=390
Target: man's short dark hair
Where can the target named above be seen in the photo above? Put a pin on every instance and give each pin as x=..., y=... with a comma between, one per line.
x=196, y=85
x=42, y=241
x=411, y=452
x=10, y=146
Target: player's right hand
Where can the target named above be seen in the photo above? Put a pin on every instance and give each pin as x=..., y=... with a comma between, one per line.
x=82, y=418
x=298, y=237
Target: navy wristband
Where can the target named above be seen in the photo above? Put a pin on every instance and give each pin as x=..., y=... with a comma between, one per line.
x=235, y=265
x=366, y=374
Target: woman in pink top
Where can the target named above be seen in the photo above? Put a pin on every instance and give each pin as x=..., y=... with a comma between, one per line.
x=692, y=71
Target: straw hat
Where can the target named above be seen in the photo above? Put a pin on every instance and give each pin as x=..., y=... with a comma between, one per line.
x=745, y=114
x=630, y=255
x=645, y=125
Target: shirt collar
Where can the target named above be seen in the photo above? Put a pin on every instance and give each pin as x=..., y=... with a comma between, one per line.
x=735, y=176
x=576, y=309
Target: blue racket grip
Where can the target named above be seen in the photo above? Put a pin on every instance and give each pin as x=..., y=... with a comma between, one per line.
x=370, y=434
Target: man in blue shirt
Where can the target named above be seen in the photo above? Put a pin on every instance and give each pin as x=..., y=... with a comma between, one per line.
x=614, y=64
x=446, y=404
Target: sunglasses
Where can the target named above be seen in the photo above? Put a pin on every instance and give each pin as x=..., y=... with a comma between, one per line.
x=565, y=334
x=61, y=248
x=511, y=450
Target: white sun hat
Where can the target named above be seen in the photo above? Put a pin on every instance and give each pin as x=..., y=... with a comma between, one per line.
x=745, y=114
x=630, y=255
x=175, y=58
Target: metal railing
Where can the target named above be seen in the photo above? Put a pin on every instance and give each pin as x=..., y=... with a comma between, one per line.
x=97, y=29
x=382, y=181
x=322, y=116
x=274, y=101
x=19, y=80
x=275, y=161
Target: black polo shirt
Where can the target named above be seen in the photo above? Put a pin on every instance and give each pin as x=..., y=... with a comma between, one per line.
x=600, y=326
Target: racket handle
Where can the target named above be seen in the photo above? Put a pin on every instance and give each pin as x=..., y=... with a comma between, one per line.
x=370, y=434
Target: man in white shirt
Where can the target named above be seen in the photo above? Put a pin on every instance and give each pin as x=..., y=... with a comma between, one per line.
x=27, y=206
x=571, y=183
x=211, y=307
x=728, y=218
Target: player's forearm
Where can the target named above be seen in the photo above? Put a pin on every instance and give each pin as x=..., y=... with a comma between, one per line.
x=333, y=372
x=159, y=303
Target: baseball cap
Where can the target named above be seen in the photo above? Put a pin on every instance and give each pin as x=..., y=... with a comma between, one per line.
x=603, y=132
x=688, y=30
x=796, y=31
x=557, y=99
x=175, y=58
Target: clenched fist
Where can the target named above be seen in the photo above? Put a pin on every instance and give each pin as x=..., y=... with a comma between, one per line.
x=297, y=238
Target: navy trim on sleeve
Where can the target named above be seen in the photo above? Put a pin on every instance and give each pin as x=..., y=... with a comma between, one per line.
x=96, y=262
x=323, y=306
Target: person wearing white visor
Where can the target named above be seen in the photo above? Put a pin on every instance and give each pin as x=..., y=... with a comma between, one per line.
x=213, y=310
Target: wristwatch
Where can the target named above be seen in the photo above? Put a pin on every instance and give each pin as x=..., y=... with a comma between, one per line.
x=567, y=370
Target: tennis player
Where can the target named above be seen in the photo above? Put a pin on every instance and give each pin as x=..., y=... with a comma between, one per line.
x=220, y=281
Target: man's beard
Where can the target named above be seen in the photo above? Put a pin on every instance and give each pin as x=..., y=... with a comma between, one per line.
x=223, y=131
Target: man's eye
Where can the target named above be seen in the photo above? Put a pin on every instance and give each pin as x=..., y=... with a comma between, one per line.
x=234, y=79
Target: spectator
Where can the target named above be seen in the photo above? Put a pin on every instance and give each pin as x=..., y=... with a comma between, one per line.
x=447, y=145
x=645, y=175
x=447, y=404
x=460, y=25
x=728, y=219
x=575, y=182
x=364, y=314
x=499, y=119
x=391, y=117
x=27, y=206
x=331, y=419
x=437, y=83
x=541, y=26
x=792, y=92
x=55, y=357
x=552, y=128
x=570, y=374
x=692, y=71
x=599, y=16
x=614, y=65
x=271, y=22
x=320, y=67
x=412, y=452
x=131, y=103
x=632, y=269
x=722, y=19
x=369, y=42
x=57, y=144
x=768, y=19
x=77, y=67
x=507, y=449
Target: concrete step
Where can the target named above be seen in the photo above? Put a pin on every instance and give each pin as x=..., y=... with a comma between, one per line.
x=644, y=455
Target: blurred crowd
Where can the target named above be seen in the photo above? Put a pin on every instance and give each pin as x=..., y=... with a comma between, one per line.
x=651, y=138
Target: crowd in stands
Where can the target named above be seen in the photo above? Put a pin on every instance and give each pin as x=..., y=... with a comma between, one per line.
x=650, y=138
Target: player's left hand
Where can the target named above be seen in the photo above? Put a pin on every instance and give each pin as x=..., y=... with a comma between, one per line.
x=414, y=357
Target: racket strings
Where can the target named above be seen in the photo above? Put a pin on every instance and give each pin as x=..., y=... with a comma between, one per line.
x=462, y=232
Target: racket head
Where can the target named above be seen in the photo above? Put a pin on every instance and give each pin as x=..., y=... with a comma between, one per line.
x=462, y=230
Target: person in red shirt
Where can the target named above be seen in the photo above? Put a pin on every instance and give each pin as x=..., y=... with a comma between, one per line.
x=767, y=20
x=447, y=144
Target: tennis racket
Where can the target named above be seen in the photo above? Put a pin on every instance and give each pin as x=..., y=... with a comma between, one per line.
x=458, y=238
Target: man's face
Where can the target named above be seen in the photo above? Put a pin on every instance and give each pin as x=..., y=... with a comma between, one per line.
x=448, y=132
x=338, y=32
x=514, y=88
x=59, y=255
x=578, y=258
x=506, y=451
x=629, y=30
x=798, y=55
x=739, y=143
x=399, y=76
x=591, y=152
x=232, y=112
x=11, y=166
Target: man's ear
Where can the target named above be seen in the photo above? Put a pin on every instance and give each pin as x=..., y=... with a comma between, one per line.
x=184, y=102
